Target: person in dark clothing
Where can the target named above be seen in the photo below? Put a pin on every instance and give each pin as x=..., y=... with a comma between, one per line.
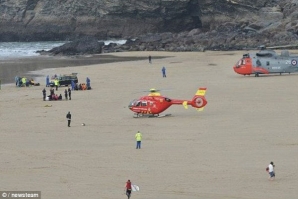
x=68, y=116
x=149, y=59
x=44, y=93
x=69, y=93
x=60, y=97
x=66, y=94
x=52, y=91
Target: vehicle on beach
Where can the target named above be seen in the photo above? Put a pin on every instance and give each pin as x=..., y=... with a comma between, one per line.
x=65, y=80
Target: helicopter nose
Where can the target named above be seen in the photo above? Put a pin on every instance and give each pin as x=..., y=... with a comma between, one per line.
x=242, y=70
x=238, y=70
x=243, y=66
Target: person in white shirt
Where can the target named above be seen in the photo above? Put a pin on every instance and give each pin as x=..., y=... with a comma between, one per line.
x=271, y=171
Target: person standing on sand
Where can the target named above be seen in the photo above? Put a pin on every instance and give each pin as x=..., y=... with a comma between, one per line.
x=47, y=81
x=128, y=189
x=44, y=93
x=270, y=170
x=56, y=82
x=149, y=59
x=66, y=94
x=88, y=83
x=16, y=79
x=69, y=93
x=138, y=137
x=163, y=70
x=68, y=116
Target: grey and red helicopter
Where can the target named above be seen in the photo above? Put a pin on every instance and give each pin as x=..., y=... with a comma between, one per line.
x=267, y=61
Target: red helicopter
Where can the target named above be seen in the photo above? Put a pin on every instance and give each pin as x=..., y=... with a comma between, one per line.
x=153, y=104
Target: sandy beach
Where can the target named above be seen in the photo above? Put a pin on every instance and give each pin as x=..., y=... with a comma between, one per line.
x=220, y=153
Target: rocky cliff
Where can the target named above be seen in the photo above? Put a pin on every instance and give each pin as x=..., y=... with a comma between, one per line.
x=64, y=19
x=190, y=24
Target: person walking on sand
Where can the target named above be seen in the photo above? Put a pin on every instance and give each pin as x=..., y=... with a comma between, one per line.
x=138, y=137
x=149, y=59
x=270, y=170
x=128, y=189
x=163, y=70
x=68, y=116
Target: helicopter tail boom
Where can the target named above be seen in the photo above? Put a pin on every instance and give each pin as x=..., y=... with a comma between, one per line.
x=198, y=101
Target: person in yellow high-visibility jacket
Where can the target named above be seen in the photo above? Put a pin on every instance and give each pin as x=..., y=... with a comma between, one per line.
x=138, y=137
x=56, y=82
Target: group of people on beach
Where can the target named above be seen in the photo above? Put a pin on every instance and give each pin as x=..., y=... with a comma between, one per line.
x=53, y=96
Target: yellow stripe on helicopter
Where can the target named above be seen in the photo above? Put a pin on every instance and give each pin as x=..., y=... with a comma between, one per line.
x=201, y=92
x=200, y=109
x=185, y=104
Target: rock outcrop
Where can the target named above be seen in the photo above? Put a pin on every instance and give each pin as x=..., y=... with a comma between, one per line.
x=175, y=25
x=82, y=46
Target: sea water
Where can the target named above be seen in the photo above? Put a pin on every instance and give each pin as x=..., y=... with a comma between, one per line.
x=10, y=50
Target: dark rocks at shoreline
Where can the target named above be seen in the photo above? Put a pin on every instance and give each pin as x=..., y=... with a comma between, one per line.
x=243, y=37
x=85, y=45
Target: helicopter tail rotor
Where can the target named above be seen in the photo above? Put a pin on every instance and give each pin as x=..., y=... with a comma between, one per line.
x=199, y=101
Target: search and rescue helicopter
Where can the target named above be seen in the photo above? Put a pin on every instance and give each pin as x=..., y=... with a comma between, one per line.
x=153, y=104
x=266, y=62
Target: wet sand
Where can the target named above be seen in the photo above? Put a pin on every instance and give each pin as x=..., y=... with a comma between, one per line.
x=219, y=153
x=9, y=68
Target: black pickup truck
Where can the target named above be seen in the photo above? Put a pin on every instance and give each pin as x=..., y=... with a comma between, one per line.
x=65, y=80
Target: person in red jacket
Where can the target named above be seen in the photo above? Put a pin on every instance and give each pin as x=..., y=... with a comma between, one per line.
x=128, y=188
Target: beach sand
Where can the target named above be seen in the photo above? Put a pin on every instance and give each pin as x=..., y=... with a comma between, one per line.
x=219, y=153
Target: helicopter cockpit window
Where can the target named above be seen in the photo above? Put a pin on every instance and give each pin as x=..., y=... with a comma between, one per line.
x=241, y=62
x=144, y=103
x=138, y=103
x=132, y=103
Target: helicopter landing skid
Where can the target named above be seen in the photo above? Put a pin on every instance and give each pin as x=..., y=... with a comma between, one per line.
x=164, y=115
x=150, y=115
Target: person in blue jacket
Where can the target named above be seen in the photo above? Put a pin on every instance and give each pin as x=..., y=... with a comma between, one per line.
x=72, y=85
x=47, y=81
x=88, y=83
x=163, y=70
